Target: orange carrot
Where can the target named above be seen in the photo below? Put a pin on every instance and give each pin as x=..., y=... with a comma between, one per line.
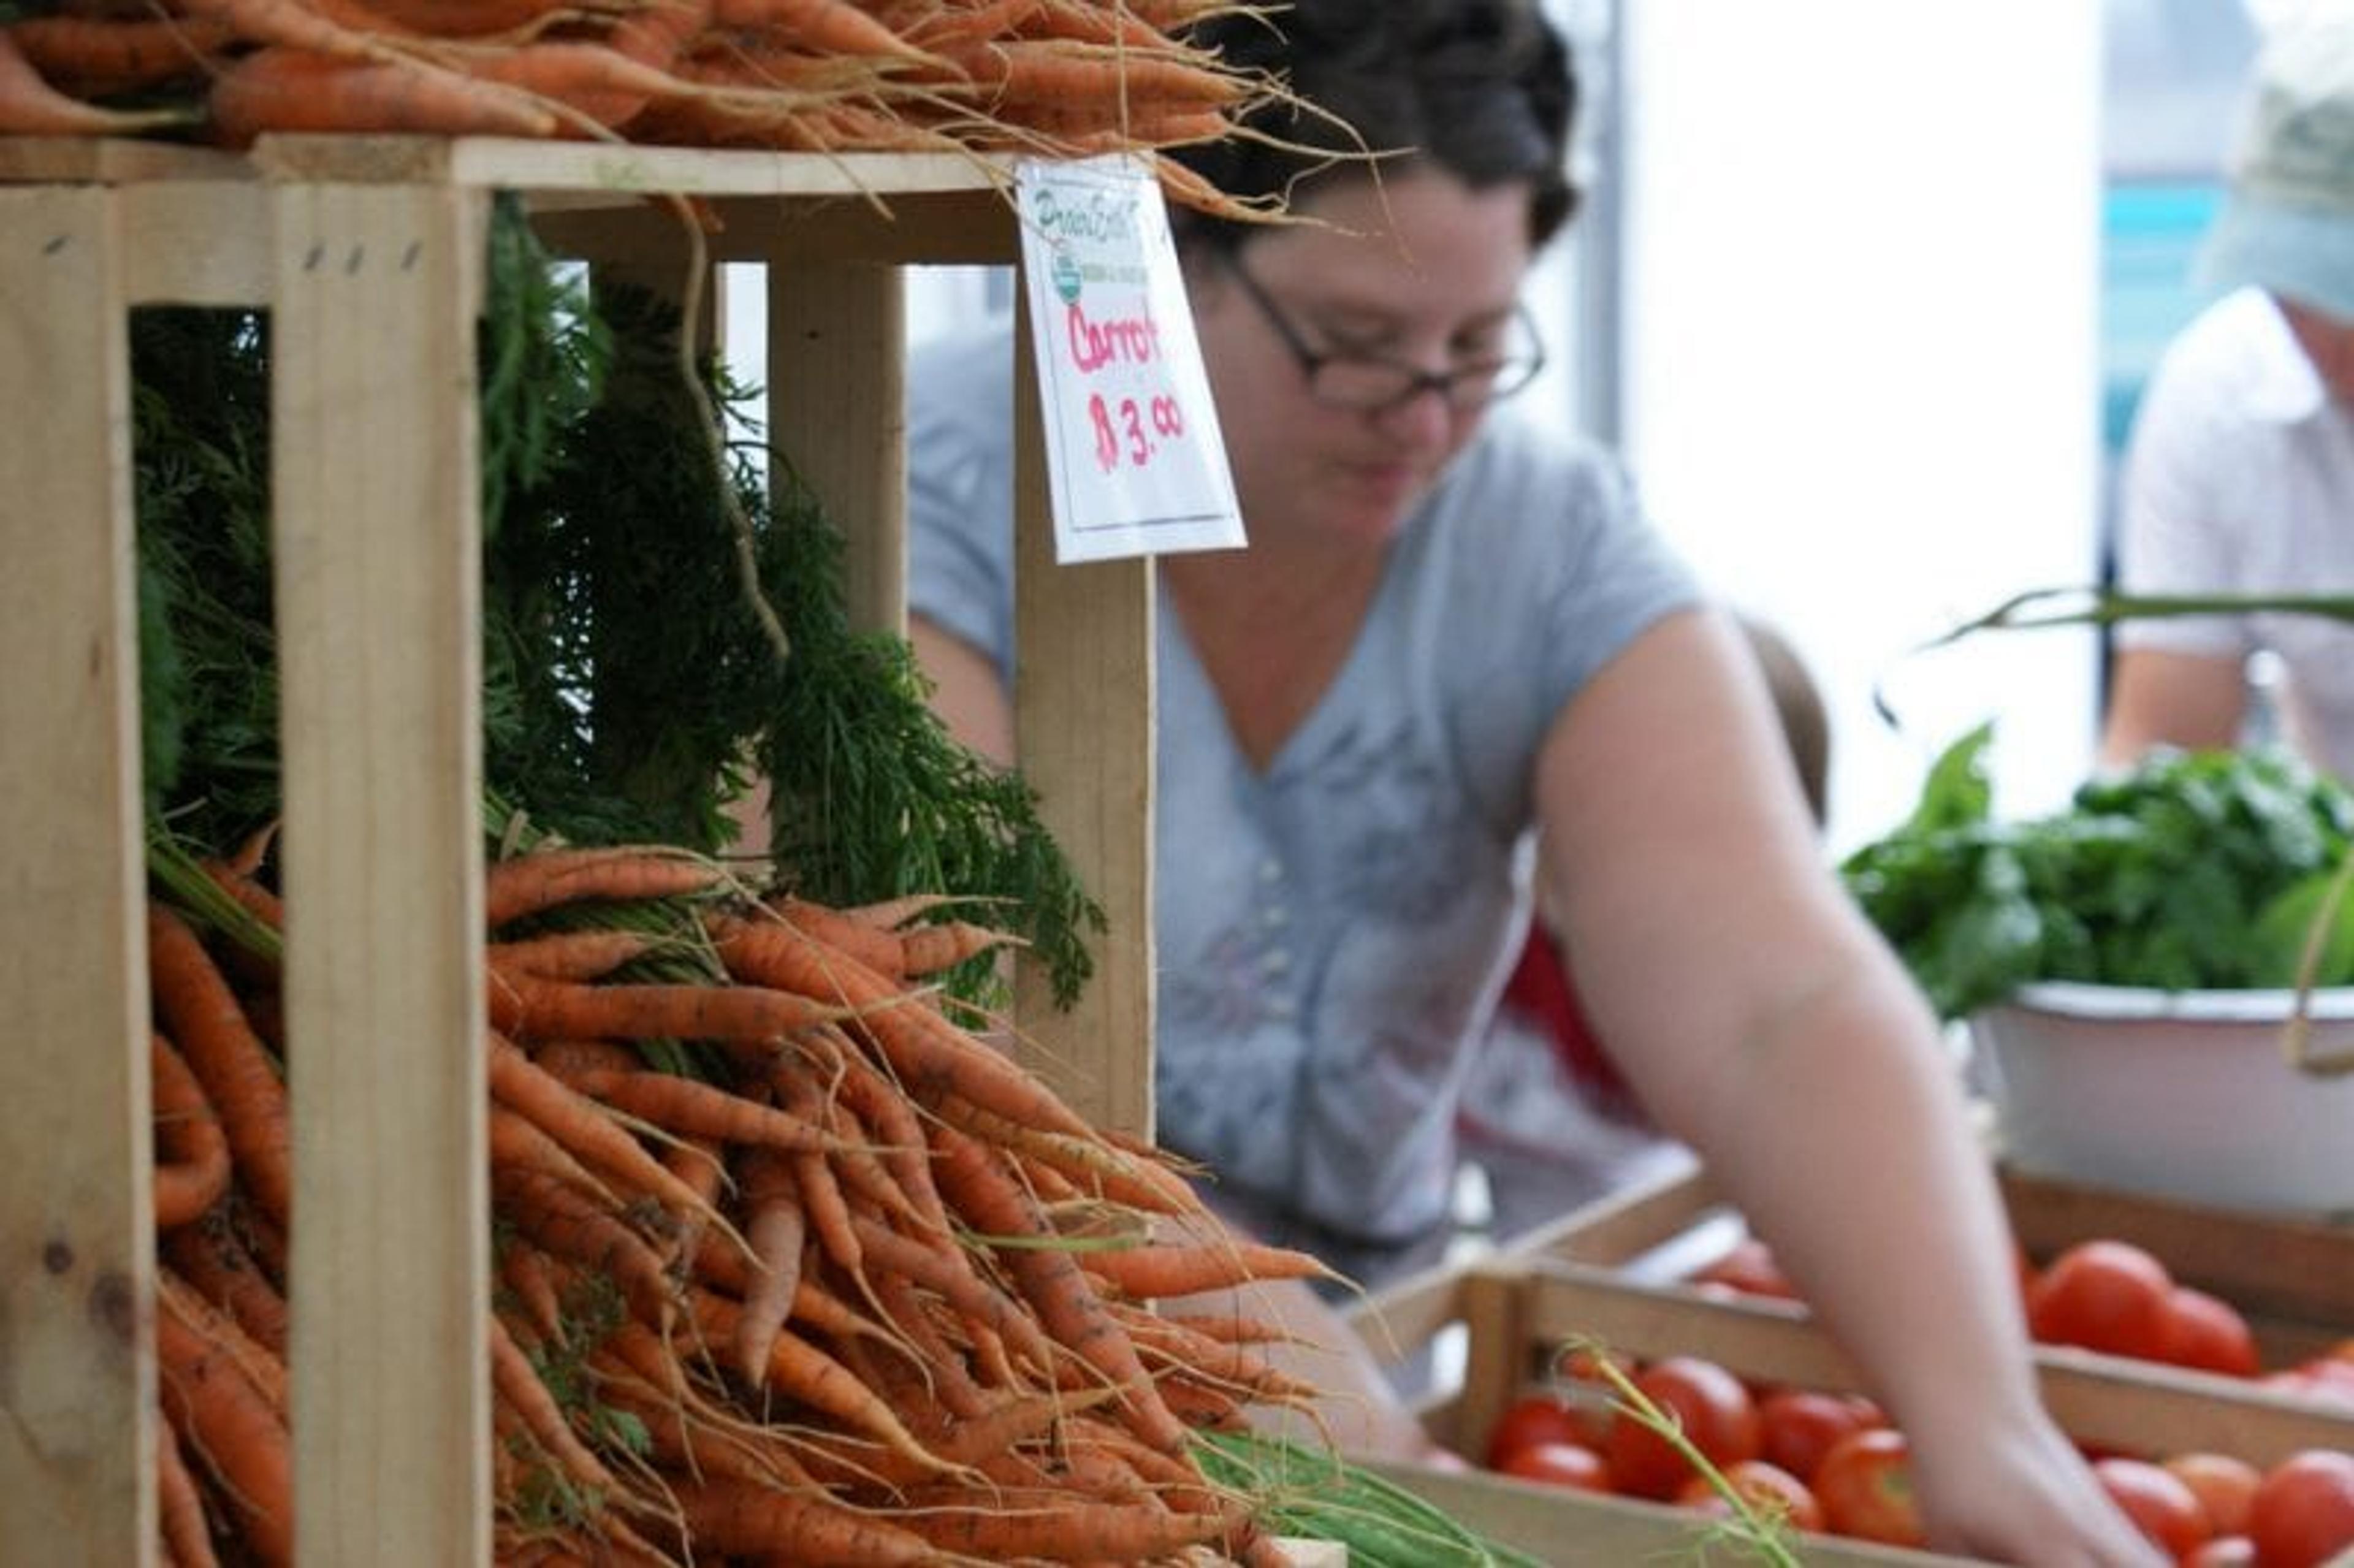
x=945, y=1269
x=1056, y=71
x=528, y=1007
x=1161, y=1270
x=180, y=1509
x=30, y=106
x=212, y=1260
x=582, y=1126
x=1003, y=1524
x=192, y=1169
x=204, y=1019
x=541, y=880
x=527, y=1288
x=776, y=1227
x=589, y=953
x=799, y=1369
x=569, y=1226
x=692, y=1109
x=928, y=1054
x=469, y=19
x=820, y=26
x=732, y=1517
x=285, y=89
x=224, y=1419
x=518, y=1144
x=603, y=85
x=928, y=949
x=89, y=57
x=1089, y=1162
x=1050, y=1279
x=515, y=1381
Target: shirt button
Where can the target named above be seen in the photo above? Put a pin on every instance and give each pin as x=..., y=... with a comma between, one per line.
x=1276, y=962
x=1274, y=917
x=1270, y=870
x=1282, y=1008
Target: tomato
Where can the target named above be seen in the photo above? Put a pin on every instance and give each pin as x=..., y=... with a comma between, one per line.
x=2303, y=1512
x=2223, y=1483
x=2207, y=1332
x=2222, y=1551
x=1714, y=1409
x=1531, y=1419
x=1562, y=1464
x=1865, y=1485
x=1750, y=1269
x=1798, y=1425
x=2103, y=1295
x=2157, y=1500
x=1767, y=1487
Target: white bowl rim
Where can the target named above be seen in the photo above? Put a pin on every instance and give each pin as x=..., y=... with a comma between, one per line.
x=2079, y=999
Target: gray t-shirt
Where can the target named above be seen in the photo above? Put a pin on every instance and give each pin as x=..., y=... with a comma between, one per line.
x=1333, y=931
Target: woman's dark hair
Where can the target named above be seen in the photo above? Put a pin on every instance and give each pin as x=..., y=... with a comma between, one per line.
x=1484, y=88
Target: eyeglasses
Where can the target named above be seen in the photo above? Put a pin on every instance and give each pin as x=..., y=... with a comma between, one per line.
x=1376, y=383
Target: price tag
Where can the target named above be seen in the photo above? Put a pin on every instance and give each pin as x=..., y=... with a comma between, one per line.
x=1134, y=461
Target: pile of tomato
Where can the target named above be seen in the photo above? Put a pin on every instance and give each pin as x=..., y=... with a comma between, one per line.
x=1832, y=1462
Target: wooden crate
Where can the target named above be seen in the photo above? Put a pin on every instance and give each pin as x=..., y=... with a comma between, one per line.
x=1609, y=1272
x=367, y=253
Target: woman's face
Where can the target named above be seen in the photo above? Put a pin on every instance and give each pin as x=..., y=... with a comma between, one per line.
x=1419, y=271
x=2328, y=343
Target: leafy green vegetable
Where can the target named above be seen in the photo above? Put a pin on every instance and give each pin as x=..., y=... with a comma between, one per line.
x=2195, y=870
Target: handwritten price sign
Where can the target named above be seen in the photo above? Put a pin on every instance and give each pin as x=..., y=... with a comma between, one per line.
x=1134, y=459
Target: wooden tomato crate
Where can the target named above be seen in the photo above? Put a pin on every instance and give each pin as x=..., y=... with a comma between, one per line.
x=367, y=255
x=1610, y=1272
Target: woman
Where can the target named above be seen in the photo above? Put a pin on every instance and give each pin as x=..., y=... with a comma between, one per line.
x=1448, y=631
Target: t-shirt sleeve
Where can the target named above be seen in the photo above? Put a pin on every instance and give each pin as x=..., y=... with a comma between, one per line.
x=960, y=490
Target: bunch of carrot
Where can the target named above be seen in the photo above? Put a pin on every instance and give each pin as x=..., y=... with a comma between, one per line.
x=1055, y=78
x=851, y=1287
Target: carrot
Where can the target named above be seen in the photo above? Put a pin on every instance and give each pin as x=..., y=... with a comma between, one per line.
x=30, y=106
x=658, y=31
x=943, y=944
x=517, y=1144
x=1056, y=71
x=732, y=1517
x=878, y=1102
x=694, y=1442
x=1053, y=1524
x=571, y=1226
x=583, y=1126
x=180, y=1511
x=541, y=880
x=927, y=1053
x=1050, y=1279
x=214, y=1263
x=285, y=89
x=1161, y=1270
x=689, y=1108
x=528, y=1007
x=513, y=1380
x=820, y=26
x=589, y=953
x=945, y=1269
x=799, y=1369
x=879, y=949
x=1090, y=1161
x=777, y=1228
x=469, y=18
x=202, y=1015
x=527, y=1288
x=192, y=1169
x=224, y=1419
x=603, y=84
x=92, y=57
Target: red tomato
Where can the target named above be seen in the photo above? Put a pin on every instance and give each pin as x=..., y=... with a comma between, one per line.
x=1767, y=1488
x=2157, y=1500
x=1563, y=1463
x=1865, y=1485
x=1531, y=1419
x=2222, y=1551
x=1714, y=1409
x=2103, y=1295
x=2223, y=1483
x=2207, y=1332
x=1749, y=1268
x=2303, y=1512
x=1798, y=1425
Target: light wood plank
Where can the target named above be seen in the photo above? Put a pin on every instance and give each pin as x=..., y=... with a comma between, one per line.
x=77, y=1222
x=379, y=562
x=1083, y=729
x=838, y=416
x=196, y=243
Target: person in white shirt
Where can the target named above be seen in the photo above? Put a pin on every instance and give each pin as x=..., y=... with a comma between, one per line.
x=2239, y=475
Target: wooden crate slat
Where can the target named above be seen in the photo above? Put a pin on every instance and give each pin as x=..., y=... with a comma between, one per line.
x=76, y=1220
x=378, y=554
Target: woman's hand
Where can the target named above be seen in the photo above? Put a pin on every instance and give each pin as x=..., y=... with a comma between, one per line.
x=2021, y=1492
